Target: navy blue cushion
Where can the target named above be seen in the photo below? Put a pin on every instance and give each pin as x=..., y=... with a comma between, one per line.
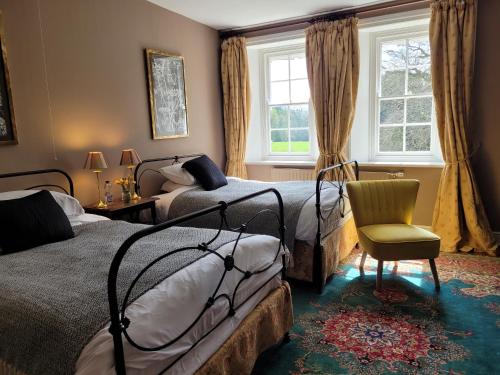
x=206, y=172
x=32, y=221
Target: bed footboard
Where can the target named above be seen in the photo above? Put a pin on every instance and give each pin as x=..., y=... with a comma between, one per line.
x=119, y=320
x=338, y=180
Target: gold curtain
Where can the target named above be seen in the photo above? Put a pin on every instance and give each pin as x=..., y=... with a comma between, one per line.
x=332, y=53
x=459, y=216
x=236, y=102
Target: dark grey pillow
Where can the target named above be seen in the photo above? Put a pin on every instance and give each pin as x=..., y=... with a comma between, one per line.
x=206, y=172
x=32, y=221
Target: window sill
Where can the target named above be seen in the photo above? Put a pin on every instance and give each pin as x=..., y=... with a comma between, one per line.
x=312, y=164
x=401, y=164
x=283, y=163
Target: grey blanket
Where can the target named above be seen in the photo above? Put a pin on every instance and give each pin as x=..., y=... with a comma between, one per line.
x=53, y=298
x=295, y=194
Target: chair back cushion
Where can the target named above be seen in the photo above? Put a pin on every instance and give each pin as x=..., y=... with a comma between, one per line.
x=382, y=201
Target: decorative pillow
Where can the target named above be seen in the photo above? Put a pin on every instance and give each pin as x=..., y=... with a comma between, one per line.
x=206, y=172
x=176, y=174
x=71, y=206
x=32, y=221
x=169, y=186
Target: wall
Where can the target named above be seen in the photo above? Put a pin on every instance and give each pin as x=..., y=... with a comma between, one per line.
x=485, y=103
x=97, y=81
x=428, y=177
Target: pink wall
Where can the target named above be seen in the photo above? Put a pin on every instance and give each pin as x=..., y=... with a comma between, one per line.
x=97, y=81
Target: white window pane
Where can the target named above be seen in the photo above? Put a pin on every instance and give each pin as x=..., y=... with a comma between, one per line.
x=392, y=111
x=418, y=138
x=419, y=51
x=279, y=117
x=279, y=69
x=419, y=80
x=393, y=55
x=391, y=138
x=279, y=92
x=299, y=140
x=392, y=83
x=300, y=91
x=419, y=110
x=279, y=141
x=298, y=68
x=299, y=116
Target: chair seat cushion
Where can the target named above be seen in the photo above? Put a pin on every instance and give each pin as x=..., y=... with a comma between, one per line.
x=398, y=242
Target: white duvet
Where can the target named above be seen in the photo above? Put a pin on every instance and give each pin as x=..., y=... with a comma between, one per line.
x=166, y=310
x=306, y=226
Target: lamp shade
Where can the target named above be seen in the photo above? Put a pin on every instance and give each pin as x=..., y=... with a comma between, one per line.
x=95, y=161
x=130, y=157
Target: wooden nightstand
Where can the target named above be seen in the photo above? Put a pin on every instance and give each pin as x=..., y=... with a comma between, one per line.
x=119, y=209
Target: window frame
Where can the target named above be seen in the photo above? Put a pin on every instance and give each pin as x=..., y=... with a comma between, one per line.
x=376, y=40
x=266, y=56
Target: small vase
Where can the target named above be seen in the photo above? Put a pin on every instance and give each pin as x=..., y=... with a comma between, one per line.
x=126, y=196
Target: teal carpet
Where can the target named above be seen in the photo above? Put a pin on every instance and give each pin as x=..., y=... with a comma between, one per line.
x=408, y=328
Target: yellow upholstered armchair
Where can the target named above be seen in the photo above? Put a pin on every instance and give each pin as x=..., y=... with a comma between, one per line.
x=383, y=212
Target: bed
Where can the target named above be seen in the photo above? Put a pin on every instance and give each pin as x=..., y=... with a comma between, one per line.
x=321, y=230
x=132, y=298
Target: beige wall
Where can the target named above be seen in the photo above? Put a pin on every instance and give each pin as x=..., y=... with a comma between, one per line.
x=486, y=109
x=428, y=177
x=97, y=81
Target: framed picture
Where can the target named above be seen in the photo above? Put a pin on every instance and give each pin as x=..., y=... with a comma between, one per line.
x=167, y=94
x=8, y=134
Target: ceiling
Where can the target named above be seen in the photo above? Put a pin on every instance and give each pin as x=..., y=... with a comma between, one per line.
x=228, y=14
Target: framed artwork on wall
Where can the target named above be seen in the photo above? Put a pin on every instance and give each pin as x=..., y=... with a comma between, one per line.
x=8, y=133
x=167, y=94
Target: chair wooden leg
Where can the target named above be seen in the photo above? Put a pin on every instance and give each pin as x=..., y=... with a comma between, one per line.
x=380, y=268
x=432, y=263
x=362, y=262
x=395, y=268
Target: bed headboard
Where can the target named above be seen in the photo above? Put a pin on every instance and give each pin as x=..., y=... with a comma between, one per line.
x=44, y=171
x=140, y=168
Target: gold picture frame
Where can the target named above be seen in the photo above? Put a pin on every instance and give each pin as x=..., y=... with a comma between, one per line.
x=167, y=94
x=8, y=130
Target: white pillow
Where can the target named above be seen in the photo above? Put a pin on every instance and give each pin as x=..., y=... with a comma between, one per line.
x=169, y=186
x=70, y=205
x=177, y=174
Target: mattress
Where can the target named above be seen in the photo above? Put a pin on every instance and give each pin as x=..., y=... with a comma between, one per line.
x=183, y=296
x=306, y=225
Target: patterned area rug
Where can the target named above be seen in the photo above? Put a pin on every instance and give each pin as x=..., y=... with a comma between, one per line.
x=408, y=328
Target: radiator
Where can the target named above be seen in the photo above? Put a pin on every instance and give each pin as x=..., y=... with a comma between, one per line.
x=380, y=175
x=291, y=174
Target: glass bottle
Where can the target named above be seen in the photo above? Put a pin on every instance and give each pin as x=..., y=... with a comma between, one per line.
x=108, y=197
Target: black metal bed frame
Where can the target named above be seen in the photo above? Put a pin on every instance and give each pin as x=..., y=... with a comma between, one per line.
x=44, y=171
x=322, y=182
x=174, y=159
x=119, y=320
x=338, y=182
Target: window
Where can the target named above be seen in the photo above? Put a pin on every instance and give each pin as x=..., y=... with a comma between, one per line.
x=403, y=124
x=289, y=128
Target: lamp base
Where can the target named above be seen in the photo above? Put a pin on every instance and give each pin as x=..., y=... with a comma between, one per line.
x=101, y=205
x=135, y=197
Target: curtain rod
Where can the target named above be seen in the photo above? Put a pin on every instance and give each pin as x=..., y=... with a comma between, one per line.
x=365, y=11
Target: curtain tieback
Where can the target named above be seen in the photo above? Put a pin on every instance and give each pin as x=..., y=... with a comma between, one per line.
x=330, y=155
x=454, y=162
x=468, y=157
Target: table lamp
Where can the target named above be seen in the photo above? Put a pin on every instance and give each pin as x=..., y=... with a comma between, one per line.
x=130, y=159
x=96, y=163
